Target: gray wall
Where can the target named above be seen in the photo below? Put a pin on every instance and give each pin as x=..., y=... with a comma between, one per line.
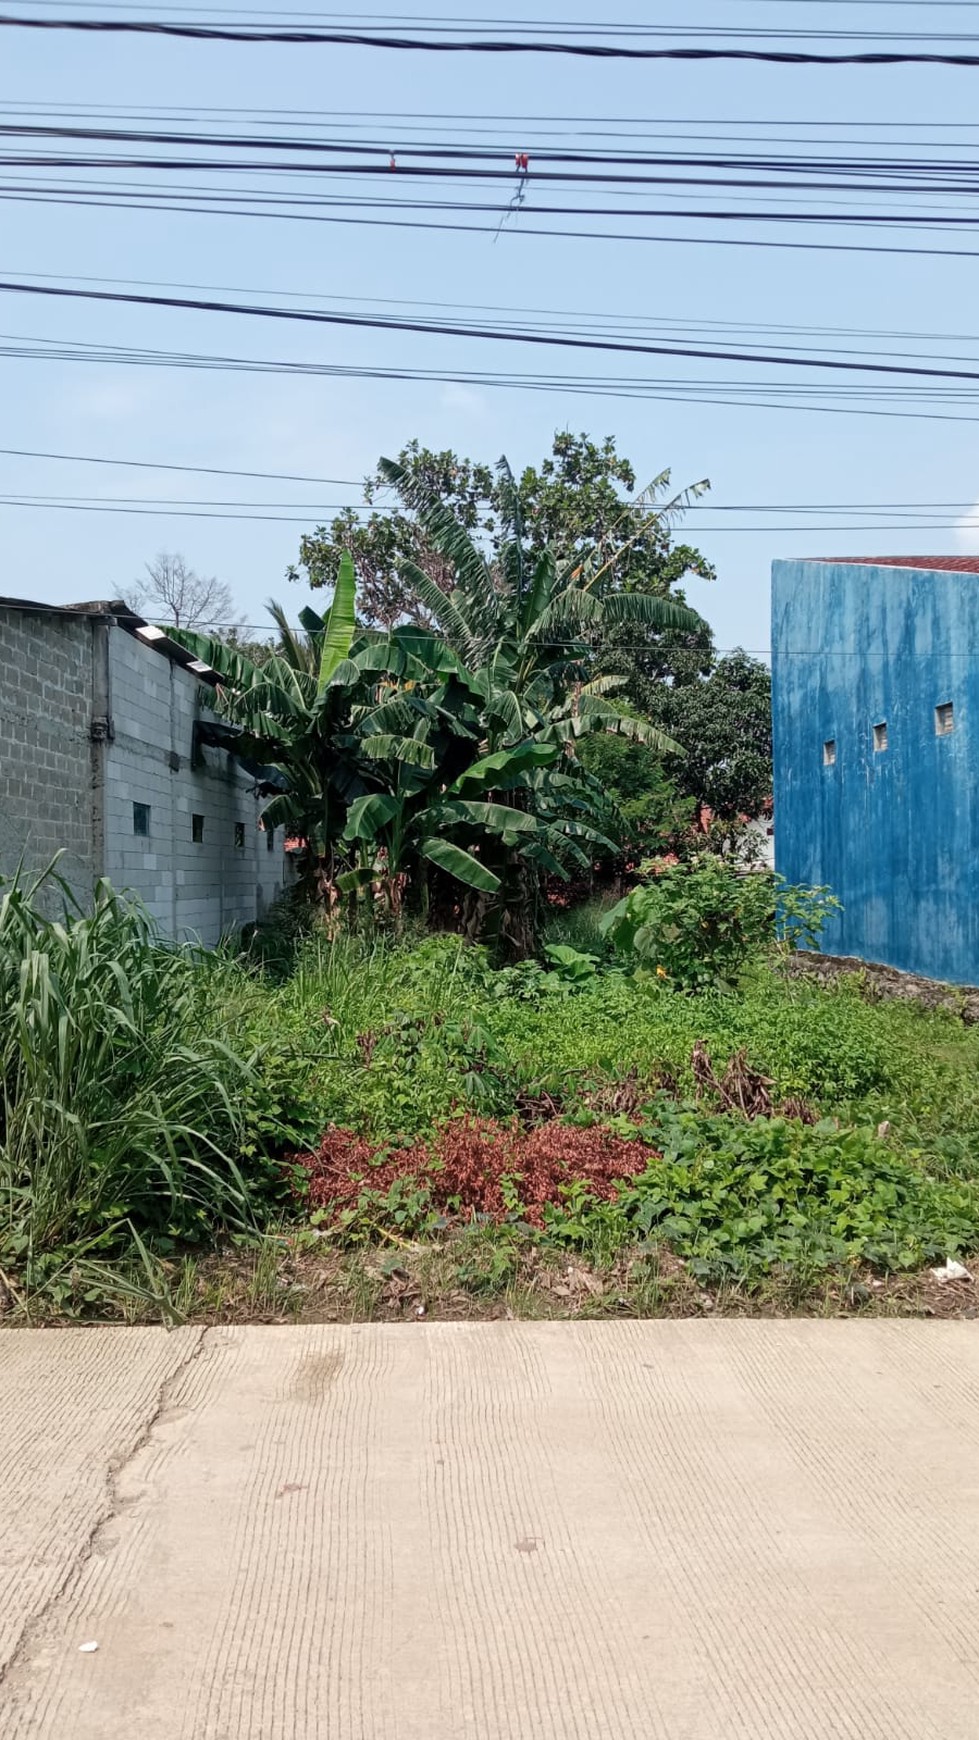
x=195, y=889
x=65, y=786
x=47, y=759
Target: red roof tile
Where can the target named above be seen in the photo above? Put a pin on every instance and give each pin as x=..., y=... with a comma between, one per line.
x=954, y=564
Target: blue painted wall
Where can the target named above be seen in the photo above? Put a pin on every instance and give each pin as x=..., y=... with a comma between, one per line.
x=895, y=833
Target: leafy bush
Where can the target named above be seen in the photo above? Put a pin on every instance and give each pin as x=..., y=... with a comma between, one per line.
x=698, y=922
x=569, y=968
x=652, y=811
x=739, y=1199
x=392, y=1040
x=119, y=1116
x=801, y=913
x=276, y=941
x=582, y=926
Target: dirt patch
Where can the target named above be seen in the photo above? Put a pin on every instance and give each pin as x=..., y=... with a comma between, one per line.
x=879, y=983
x=465, y=1275
x=315, y=1374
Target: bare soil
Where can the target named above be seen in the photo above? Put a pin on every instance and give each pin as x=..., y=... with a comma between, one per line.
x=879, y=983
x=312, y=1281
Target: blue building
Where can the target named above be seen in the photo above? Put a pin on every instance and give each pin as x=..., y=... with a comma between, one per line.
x=875, y=668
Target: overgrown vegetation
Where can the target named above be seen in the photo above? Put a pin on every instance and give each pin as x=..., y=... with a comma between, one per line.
x=440, y=1057
x=123, y=1116
x=404, y=1095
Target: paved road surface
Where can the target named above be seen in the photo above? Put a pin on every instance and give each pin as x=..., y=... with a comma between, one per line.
x=628, y=1531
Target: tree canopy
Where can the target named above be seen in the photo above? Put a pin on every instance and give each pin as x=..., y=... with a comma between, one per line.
x=724, y=722
x=581, y=502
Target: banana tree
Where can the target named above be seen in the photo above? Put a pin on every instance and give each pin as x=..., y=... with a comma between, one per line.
x=319, y=709
x=421, y=820
x=527, y=629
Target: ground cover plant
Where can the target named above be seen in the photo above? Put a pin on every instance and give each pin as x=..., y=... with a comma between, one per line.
x=455, y=1097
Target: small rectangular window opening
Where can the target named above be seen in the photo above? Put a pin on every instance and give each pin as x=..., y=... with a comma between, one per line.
x=944, y=719
x=239, y=836
x=141, y=820
x=197, y=829
x=269, y=837
x=880, y=736
x=829, y=752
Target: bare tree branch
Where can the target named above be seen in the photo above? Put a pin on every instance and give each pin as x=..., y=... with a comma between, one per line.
x=177, y=593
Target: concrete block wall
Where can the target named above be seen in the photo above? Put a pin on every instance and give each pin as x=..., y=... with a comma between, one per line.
x=47, y=759
x=203, y=888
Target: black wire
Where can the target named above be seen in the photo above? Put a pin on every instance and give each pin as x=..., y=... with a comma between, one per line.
x=580, y=50
x=49, y=504
x=589, y=316
x=274, y=204
x=618, y=388
x=111, y=202
x=905, y=508
x=164, y=465
x=876, y=167
x=386, y=323
x=519, y=122
x=845, y=216
x=439, y=24
x=909, y=515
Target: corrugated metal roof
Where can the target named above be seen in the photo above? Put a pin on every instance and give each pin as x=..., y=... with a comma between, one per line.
x=117, y=610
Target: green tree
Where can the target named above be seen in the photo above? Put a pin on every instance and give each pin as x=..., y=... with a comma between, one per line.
x=382, y=543
x=381, y=742
x=653, y=812
x=326, y=711
x=580, y=502
x=525, y=626
x=724, y=721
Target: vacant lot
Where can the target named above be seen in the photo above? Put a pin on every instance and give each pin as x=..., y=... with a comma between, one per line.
x=357, y=1127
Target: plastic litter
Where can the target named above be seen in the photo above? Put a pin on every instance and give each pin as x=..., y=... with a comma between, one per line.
x=952, y=1271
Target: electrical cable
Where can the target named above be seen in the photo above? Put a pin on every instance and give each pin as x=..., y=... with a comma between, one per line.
x=623, y=387
x=181, y=508
x=388, y=323
x=521, y=229
x=588, y=316
x=165, y=465
x=486, y=45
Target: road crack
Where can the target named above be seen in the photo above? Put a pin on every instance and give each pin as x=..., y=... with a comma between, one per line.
x=112, y=1507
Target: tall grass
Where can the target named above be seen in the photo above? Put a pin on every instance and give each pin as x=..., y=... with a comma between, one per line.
x=120, y=1113
x=581, y=926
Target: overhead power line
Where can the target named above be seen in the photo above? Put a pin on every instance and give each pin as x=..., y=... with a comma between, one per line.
x=168, y=465
x=283, y=514
x=851, y=400
x=562, y=340
x=488, y=45
x=196, y=208
x=506, y=129
x=464, y=157
x=700, y=508
x=442, y=23
x=589, y=318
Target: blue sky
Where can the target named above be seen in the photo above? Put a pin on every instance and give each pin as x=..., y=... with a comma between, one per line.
x=336, y=428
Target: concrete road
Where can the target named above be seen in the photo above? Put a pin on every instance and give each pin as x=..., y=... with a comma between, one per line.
x=519, y=1531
